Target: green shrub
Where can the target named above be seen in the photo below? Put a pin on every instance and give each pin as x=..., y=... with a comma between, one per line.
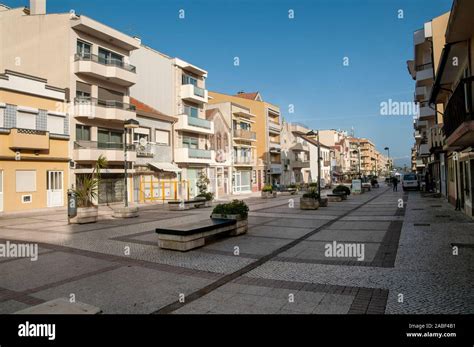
x=342, y=189
x=207, y=195
x=267, y=188
x=312, y=194
x=235, y=207
x=313, y=185
x=293, y=186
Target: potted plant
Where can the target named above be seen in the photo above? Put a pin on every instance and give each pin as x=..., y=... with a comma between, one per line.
x=202, y=183
x=343, y=190
x=236, y=210
x=310, y=200
x=86, y=193
x=267, y=191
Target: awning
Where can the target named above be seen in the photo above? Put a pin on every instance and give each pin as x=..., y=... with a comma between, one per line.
x=165, y=167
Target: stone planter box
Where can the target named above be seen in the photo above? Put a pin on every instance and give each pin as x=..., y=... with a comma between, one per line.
x=323, y=202
x=86, y=215
x=268, y=195
x=241, y=226
x=309, y=204
x=335, y=198
x=125, y=212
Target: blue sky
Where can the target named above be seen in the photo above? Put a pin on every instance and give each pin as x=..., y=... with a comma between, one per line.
x=290, y=61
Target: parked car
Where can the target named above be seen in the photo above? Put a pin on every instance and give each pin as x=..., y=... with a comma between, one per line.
x=410, y=181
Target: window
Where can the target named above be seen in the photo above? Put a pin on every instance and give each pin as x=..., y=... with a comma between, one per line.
x=2, y=117
x=110, y=58
x=191, y=111
x=25, y=181
x=55, y=124
x=83, y=49
x=83, y=90
x=25, y=120
x=141, y=133
x=83, y=132
x=190, y=142
x=109, y=97
x=111, y=139
x=162, y=137
x=186, y=79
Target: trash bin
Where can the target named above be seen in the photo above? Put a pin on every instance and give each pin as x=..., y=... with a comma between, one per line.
x=71, y=204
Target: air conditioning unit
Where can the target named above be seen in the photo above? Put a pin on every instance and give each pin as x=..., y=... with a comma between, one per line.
x=72, y=164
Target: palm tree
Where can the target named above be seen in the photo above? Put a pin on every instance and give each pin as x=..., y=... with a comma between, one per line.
x=88, y=185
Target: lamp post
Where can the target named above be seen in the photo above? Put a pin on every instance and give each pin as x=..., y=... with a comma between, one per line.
x=316, y=134
x=388, y=156
x=129, y=124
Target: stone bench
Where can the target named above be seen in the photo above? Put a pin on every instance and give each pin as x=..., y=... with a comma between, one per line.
x=194, y=235
x=334, y=197
x=180, y=205
x=61, y=306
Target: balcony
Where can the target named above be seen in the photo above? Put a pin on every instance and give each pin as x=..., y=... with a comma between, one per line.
x=424, y=150
x=422, y=93
x=420, y=124
x=194, y=155
x=299, y=128
x=29, y=139
x=91, y=150
x=110, y=70
x=424, y=74
x=244, y=161
x=417, y=135
x=458, y=124
x=426, y=111
x=300, y=164
x=274, y=147
x=419, y=37
x=109, y=110
x=194, y=124
x=241, y=134
x=194, y=94
x=274, y=126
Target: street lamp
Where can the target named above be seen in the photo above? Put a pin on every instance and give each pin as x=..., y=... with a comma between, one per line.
x=313, y=134
x=129, y=124
x=388, y=155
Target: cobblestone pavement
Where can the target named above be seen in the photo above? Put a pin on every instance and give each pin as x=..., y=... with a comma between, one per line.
x=408, y=264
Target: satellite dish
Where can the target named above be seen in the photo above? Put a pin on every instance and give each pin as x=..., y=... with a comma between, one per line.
x=143, y=142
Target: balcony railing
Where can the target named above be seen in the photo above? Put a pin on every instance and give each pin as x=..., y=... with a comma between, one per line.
x=81, y=144
x=104, y=103
x=243, y=160
x=424, y=66
x=199, y=153
x=460, y=107
x=199, y=122
x=199, y=92
x=105, y=61
x=245, y=134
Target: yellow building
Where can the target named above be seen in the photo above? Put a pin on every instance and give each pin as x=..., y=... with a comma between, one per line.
x=267, y=128
x=34, y=138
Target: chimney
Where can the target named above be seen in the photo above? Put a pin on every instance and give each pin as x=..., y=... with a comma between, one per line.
x=37, y=7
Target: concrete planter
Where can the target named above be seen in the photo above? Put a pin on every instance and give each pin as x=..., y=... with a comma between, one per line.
x=86, y=215
x=241, y=226
x=323, y=202
x=125, y=212
x=309, y=204
x=268, y=195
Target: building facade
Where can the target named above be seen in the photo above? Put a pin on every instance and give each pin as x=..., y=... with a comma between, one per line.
x=34, y=143
x=91, y=60
x=295, y=153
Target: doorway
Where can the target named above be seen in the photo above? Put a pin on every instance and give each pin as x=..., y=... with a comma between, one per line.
x=54, y=189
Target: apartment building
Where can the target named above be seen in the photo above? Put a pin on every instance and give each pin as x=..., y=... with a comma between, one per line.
x=368, y=156
x=34, y=136
x=338, y=140
x=429, y=154
x=267, y=128
x=324, y=158
x=221, y=144
x=178, y=88
x=91, y=60
x=355, y=157
x=295, y=154
x=154, y=172
x=243, y=168
x=452, y=95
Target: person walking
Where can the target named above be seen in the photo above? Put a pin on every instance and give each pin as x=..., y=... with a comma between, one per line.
x=395, y=183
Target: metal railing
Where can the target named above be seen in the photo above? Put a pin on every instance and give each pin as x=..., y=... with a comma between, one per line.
x=105, y=61
x=424, y=66
x=84, y=144
x=82, y=100
x=245, y=134
x=460, y=107
x=199, y=122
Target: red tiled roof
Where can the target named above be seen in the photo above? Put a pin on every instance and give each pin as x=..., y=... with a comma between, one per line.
x=250, y=96
x=146, y=108
x=211, y=112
